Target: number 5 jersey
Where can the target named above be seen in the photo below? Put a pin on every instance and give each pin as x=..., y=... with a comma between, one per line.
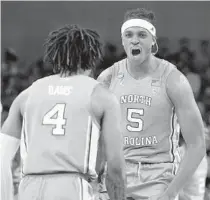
x=149, y=123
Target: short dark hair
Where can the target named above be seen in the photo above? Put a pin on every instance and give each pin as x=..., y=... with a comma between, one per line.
x=140, y=13
x=72, y=46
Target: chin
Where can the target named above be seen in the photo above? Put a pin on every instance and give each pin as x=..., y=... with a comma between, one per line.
x=137, y=58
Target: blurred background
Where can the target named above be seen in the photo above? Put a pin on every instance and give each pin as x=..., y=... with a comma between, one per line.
x=183, y=32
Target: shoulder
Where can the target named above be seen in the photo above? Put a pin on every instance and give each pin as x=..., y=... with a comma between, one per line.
x=103, y=99
x=17, y=107
x=178, y=87
x=22, y=96
x=168, y=67
x=42, y=80
x=178, y=80
x=104, y=95
x=106, y=76
x=21, y=99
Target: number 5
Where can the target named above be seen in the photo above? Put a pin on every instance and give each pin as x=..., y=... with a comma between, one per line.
x=56, y=117
x=130, y=118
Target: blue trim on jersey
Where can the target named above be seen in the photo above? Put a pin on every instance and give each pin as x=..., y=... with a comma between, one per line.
x=89, y=146
x=172, y=135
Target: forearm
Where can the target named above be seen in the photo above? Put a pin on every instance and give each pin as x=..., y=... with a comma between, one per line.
x=115, y=188
x=6, y=182
x=8, y=147
x=115, y=184
x=190, y=162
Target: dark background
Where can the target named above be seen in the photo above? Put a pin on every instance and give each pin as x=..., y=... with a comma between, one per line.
x=26, y=24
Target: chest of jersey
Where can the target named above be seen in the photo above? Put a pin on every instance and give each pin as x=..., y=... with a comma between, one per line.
x=145, y=107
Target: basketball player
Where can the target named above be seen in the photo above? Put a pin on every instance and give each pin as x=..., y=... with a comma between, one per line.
x=152, y=92
x=60, y=117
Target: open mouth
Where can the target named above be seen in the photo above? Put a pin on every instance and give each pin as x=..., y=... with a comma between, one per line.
x=136, y=52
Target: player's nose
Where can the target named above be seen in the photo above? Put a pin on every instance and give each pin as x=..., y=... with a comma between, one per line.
x=135, y=40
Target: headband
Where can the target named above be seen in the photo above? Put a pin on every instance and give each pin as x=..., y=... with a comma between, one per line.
x=139, y=23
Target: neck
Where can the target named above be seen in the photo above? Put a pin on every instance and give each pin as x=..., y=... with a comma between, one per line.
x=140, y=70
x=78, y=72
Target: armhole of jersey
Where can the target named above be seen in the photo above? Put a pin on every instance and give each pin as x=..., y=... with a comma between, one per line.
x=114, y=71
x=168, y=70
x=90, y=109
x=24, y=105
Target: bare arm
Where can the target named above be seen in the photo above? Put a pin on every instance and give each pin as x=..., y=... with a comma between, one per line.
x=105, y=77
x=190, y=120
x=112, y=138
x=13, y=124
x=9, y=144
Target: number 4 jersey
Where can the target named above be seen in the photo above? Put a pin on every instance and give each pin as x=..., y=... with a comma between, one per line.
x=59, y=132
x=148, y=116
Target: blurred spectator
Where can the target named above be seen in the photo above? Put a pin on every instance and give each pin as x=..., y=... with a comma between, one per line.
x=206, y=98
x=36, y=71
x=110, y=54
x=202, y=60
x=163, y=48
x=184, y=57
x=207, y=118
x=195, y=82
x=206, y=77
x=184, y=44
x=9, y=70
x=9, y=65
x=10, y=56
x=109, y=58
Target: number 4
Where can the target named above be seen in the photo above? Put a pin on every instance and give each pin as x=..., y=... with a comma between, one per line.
x=56, y=117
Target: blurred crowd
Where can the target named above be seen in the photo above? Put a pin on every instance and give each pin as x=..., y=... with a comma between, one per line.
x=16, y=75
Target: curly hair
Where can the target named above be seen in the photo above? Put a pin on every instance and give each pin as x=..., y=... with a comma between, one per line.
x=72, y=47
x=140, y=13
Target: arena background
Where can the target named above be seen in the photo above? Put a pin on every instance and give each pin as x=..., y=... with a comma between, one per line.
x=26, y=24
x=183, y=36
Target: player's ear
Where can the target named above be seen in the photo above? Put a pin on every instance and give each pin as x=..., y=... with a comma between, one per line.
x=153, y=41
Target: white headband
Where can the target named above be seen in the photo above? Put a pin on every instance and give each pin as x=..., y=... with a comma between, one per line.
x=139, y=23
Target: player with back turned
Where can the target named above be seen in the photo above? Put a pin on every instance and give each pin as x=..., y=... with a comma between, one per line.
x=62, y=118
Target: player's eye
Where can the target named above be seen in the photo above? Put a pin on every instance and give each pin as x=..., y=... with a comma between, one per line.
x=142, y=34
x=128, y=34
